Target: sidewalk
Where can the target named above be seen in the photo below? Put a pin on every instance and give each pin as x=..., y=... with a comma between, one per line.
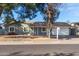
x=6, y=40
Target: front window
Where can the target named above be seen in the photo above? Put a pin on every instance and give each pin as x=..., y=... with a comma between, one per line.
x=24, y=29
x=0, y=27
x=11, y=29
x=43, y=29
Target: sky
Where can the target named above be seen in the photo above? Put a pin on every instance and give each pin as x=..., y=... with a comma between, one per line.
x=69, y=12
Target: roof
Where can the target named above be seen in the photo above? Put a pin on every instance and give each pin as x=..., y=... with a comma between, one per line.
x=39, y=23
x=13, y=23
x=54, y=24
x=76, y=23
x=42, y=24
x=61, y=24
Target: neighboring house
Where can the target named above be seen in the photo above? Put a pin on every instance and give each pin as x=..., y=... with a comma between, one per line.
x=2, y=29
x=75, y=29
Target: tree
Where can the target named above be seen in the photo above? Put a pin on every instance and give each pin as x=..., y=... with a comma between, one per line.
x=8, y=20
x=6, y=10
x=50, y=13
x=28, y=10
x=6, y=7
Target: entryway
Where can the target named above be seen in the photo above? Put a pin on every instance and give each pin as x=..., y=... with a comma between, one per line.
x=72, y=32
x=11, y=30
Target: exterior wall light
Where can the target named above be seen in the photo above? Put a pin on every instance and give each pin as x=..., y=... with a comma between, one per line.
x=72, y=24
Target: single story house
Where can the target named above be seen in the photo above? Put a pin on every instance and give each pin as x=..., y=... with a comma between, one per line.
x=39, y=28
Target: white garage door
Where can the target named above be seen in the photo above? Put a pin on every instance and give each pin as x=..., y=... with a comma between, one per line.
x=62, y=31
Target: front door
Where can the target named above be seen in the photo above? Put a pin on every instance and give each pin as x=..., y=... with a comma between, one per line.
x=11, y=29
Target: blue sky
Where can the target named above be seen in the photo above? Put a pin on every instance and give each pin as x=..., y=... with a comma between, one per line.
x=69, y=12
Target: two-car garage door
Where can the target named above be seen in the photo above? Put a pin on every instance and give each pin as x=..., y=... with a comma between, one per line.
x=62, y=31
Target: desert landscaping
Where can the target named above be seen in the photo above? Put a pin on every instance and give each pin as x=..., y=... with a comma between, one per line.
x=23, y=39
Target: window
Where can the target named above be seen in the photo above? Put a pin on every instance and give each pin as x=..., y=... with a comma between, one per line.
x=43, y=29
x=0, y=27
x=24, y=29
x=12, y=29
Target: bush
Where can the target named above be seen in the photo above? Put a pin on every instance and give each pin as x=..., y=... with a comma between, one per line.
x=12, y=33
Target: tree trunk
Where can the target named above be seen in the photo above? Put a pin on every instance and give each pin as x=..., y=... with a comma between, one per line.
x=48, y=28
x=48, y=22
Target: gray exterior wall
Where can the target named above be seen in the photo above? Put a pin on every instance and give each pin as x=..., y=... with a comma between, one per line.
x=2, y=31
x=77, y=31
x=17, y=29
x=38, y=31
x=63, y=31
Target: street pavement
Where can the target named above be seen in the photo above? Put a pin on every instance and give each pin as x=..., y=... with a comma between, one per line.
x=38, y=46
x=39, y=50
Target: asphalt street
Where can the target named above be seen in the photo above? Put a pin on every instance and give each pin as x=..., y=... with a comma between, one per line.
x=39, y=49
